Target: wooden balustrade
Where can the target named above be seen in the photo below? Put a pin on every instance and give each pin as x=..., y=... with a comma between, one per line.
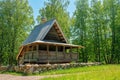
x=44, y=57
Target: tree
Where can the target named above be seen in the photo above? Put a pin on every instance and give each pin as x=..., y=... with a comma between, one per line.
x=15, y=19
x=117, y=57
x=80, y=29
x=96, y=26
x=112, y=12
x=96, y=15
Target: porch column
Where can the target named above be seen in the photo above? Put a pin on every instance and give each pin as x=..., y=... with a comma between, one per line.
x=71, y=52
x=56, y=51
x=28, y=56
x=23, y=52
x=37, y=52
x=32, y=52
x=64, y=51
x=27, y=49
x=47, y=54
x=78, y=54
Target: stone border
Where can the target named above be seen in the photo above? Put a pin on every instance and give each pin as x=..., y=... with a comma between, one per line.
x=39, y=68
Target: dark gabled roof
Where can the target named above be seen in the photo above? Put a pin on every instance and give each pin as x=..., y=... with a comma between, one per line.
x=40, y=31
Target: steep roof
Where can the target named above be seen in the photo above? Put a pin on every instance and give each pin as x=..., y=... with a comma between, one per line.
x=40, y=32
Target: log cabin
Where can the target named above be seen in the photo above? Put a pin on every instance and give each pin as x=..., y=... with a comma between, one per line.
x=47, y=44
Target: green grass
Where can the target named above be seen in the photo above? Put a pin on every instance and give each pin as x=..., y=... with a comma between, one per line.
x=103, y=72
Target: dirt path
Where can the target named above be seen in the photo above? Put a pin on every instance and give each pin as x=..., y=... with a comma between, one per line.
x=14, y=77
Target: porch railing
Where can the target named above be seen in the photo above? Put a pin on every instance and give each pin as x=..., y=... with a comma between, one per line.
x=51, y=56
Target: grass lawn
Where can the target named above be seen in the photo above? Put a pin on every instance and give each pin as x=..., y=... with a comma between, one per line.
x=103, y=72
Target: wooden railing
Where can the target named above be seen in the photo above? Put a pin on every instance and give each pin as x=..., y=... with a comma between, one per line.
x=51, y=56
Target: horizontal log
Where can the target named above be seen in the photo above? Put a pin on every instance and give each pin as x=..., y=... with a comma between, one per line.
x=51, y=57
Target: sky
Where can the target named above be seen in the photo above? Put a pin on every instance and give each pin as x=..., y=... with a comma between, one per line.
x=38, y=4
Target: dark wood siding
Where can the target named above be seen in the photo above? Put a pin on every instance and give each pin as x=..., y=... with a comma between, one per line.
x=53, y=36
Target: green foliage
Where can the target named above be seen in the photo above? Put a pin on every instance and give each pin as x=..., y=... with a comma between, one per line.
x=104, y=72
x=56, y=9
x=15, y=21
x=80, y=28
x=96, y=26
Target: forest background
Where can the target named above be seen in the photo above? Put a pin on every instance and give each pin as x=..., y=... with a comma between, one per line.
x=95, y=25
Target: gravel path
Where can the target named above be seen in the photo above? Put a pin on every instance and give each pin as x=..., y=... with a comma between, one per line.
x=14, y=77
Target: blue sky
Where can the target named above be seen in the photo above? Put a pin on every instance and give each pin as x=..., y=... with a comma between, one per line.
x=37, y=4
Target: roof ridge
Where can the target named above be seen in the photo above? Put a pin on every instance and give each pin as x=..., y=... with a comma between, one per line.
x=45, y=22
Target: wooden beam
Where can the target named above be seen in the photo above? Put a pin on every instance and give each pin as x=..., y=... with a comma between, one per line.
x=78, y=54
x=63, y=40
x=58, y=31
x=64, y=51
x=47, y=54
x=71, y=52
x=37, y=50
x=56, y=51
x=32, y=51
x=18, y=56
x=28, y=53
x=59, y=34
x=55, y=27
x=27, y=48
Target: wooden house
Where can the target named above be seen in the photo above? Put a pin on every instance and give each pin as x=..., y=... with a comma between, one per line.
x=47, y=44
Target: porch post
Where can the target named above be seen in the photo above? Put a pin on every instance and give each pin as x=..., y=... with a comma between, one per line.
x=27, y=49
x=28, y=55
x=56, y=51
x=37, y=53
x=64, y=51
x=71, y=52
x=32, y=52
x=47, y=54
x=23, y=54
x=78, y=54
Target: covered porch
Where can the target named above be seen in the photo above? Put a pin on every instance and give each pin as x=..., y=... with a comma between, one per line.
x=48, y=52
